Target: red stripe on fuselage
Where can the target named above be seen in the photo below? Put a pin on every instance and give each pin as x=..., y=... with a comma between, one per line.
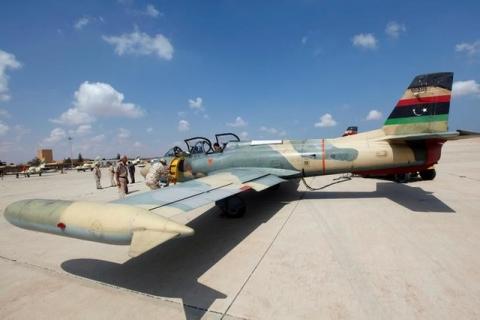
x=415, y=101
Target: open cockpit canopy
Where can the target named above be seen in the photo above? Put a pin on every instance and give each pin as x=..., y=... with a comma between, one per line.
x=202, y=145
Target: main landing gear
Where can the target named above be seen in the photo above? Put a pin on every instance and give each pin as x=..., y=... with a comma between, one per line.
x=428, y=174
x=232, y=207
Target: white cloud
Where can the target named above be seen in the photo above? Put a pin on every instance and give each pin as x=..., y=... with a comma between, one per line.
x=304, y=40
x=82, y=130
x=97, y=99
x=243, y=134
x=140, y=43
x=80, y=23
x=239, y=122
x=149, y=129
x=326, y=121
x=3, y=128
x=196, y=104
x=374, y=115
x=183, y=125
x=7, y=61
x=365, y=40
x=103, y=100
x=151, y=11
x=470, y=49
x=466, y=88
x=56, y=135
x=74, y=117
x=273, y=131
x=123, y=134
x=137, y=144
x=394, y=29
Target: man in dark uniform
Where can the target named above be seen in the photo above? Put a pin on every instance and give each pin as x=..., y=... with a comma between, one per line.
x=131, y=170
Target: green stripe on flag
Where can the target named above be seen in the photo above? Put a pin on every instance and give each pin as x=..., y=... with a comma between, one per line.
x=408, y=120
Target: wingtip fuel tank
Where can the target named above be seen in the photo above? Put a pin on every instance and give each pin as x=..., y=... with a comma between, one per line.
x=100, y=222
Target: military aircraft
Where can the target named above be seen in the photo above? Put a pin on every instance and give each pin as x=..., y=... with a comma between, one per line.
x=137, y=161
x=410, y=140
x=86, y=166
x=33, y=170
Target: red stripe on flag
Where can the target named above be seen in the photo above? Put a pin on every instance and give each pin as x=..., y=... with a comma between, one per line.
x=420, y=100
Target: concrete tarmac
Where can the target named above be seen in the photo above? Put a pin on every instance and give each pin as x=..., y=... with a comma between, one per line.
x=360, y=249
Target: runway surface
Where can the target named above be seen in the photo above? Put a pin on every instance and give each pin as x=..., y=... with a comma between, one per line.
x=361, y=249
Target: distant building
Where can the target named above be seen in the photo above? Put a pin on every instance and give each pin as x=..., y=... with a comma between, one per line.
x=45, y=155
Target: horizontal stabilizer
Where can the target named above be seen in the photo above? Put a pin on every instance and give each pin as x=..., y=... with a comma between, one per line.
x=144, y=240
x=455, y=135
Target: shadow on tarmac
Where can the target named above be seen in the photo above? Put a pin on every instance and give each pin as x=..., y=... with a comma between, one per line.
x=172, y=270
x=412, y=198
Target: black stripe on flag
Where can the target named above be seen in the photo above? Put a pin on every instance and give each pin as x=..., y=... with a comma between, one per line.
x=420, y=109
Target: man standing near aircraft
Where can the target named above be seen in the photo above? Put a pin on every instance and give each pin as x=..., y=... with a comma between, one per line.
x=122, y=176
x=111, y=170
x=131, y=171
x=97, y=174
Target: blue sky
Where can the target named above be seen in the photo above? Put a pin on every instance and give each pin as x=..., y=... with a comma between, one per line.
x=137, y=77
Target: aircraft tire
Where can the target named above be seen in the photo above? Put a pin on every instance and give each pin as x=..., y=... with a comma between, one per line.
x=232, y=207
x=402, y=177
x=428, y=174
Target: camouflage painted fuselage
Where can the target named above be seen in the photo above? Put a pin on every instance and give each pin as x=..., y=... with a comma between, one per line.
x=365, y=152
x=422, y=109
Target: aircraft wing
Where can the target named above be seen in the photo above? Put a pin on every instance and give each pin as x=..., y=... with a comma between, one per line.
x=186, y=196
x=454, y=135
x=219, y=185
x=139, y=220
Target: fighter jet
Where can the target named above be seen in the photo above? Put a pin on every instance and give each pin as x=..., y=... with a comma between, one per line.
x=410, y=140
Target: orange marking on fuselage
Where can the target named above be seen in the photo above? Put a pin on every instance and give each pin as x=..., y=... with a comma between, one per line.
x=210, y=161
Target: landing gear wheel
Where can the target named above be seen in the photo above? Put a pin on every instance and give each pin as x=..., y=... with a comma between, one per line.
x=232, y=207
x=428, y=174
x=402, y=177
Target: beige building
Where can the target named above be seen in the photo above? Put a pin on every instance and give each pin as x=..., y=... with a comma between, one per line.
x=45, y=155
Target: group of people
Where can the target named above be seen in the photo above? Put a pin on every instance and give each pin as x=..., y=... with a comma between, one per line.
x=118, y=175
x=156, y=177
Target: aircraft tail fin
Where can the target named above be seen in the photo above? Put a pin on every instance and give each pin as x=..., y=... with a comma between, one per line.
x=424, y=106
